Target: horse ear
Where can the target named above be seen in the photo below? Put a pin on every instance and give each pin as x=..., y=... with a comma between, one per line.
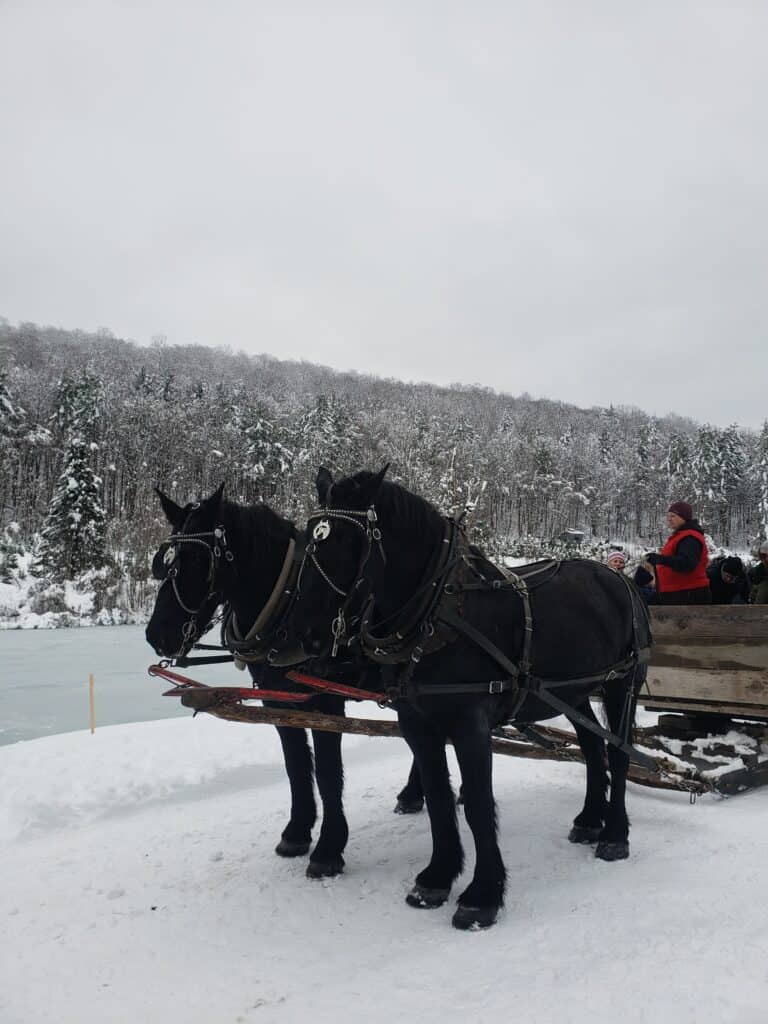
x=324, y=483
x=377, y=481
x=173, y=512
x=215, y=499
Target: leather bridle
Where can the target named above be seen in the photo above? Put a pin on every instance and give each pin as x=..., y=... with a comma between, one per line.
x=366, y=522
x=215, y=553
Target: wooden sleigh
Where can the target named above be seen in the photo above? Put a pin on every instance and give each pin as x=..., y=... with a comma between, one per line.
x=708, y=679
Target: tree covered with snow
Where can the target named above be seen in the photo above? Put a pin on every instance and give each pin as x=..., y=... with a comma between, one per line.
x=73, y=534
x=187, y=418
x=761, y=482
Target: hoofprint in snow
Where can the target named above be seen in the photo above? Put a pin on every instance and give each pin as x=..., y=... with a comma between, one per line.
x=139, y=884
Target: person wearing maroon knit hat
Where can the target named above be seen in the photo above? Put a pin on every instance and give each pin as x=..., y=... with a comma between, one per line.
x=681, y=565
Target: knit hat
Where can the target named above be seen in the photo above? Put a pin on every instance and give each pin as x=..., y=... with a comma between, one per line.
x=617, y=556
x=733, y=566
x=682, y=509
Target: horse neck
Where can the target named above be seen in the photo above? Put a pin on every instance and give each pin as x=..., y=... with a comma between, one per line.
x=410, y=547
x=259, y=540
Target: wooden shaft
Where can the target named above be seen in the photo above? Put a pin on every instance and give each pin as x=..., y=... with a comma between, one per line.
x=376, y=727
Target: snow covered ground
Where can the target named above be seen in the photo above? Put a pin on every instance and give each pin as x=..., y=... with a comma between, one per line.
x=139, y=884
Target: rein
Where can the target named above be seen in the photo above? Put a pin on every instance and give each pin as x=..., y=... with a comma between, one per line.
x=256, y=646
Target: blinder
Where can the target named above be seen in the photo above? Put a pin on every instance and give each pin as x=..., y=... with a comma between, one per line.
x=163, y=560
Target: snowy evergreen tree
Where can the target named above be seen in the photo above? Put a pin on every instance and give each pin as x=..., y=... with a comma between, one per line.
x=10, y=416
x=761, y=479
x=73, y=537
x=267, y=460
x=645, y=472
x=10, y=549
x=327, y=435
x=718, y=471
x=11, y=424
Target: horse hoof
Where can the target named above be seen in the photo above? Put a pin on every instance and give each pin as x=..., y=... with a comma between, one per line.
x=426, y=899
x=612, y=851
x=325, y=868
x=287, y=848
x=406, y=806
x=472, y=918
x=584, y=834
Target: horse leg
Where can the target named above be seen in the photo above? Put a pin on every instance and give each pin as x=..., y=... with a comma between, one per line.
x=481, y=900
x=326, y=859
x=297, y=834
x=588, y=824
x=613, y=843
x=427, y=742
x=410, y=799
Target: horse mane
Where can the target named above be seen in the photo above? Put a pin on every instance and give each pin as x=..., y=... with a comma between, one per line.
x=259, y=520
x=393, y=501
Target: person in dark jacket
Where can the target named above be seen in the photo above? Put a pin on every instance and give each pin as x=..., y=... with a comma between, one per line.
x=758, y=577
x=681, y=565
x=728, y=581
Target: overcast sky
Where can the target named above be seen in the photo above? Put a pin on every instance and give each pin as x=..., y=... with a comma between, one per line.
x=565, y=198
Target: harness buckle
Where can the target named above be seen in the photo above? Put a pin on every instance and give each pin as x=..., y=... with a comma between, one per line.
x=416, y=654
x=496, y=686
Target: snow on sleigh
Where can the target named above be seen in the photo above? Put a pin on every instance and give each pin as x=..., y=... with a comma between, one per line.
x=707, y=680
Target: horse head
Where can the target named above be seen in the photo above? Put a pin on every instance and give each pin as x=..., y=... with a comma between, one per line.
x=360, y=548
x=191, y=566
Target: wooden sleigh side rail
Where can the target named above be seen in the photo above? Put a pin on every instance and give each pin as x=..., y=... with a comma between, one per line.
x=709, y=660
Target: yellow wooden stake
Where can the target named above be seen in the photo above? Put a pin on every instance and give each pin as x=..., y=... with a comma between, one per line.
x=93, y=710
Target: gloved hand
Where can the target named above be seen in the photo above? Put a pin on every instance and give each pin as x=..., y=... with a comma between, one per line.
x=653, y=558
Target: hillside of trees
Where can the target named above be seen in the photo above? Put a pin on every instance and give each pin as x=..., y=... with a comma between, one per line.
x=90, y=423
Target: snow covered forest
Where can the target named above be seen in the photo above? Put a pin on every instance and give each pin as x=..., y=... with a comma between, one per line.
x=89, y=424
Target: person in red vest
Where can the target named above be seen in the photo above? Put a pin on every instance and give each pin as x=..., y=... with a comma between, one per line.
x=681, y=565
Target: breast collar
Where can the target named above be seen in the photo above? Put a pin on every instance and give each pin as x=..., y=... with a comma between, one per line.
x=415, y=634
x=256, y=645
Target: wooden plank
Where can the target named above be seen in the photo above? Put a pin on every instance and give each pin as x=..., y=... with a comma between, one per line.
x=689, y=623
x=749, y=711
x=712, y=654
x=744, y=687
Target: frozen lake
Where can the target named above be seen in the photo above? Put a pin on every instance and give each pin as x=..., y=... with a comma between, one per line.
x=44, y=680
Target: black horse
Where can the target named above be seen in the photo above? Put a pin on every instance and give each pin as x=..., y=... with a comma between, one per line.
x=386, y=573
x=222, y=552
